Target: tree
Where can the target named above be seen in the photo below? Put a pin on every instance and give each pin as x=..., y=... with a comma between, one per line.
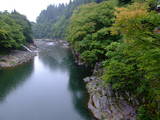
x=15, y=30
x=25, y=24
x=53, y=22
x=89, y=30
x=133, y=65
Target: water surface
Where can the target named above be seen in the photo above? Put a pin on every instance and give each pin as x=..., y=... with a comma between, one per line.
x=50, y=87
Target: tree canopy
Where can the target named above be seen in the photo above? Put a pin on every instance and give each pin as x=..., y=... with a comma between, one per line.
x=15, y=30
x=89, y=32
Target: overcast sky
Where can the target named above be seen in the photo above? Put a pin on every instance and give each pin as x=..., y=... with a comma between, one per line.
x=30, y=8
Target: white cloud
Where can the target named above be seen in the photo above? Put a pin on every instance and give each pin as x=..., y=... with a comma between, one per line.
x=30, y=8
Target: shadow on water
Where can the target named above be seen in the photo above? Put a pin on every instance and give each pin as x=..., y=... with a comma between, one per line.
x=11, y=78
x=77, y=87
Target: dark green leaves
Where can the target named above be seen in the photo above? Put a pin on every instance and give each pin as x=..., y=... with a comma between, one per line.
x=15, y=30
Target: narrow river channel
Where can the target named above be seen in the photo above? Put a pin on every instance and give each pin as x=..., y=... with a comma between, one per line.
x=50, y=87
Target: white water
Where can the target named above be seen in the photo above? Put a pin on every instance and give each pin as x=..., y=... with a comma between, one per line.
x=27, y=48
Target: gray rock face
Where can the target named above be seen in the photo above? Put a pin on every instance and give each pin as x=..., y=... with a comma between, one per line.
x=88, y=79
x=104, y=104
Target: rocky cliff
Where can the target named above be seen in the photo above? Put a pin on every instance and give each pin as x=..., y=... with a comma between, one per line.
x=104, y=103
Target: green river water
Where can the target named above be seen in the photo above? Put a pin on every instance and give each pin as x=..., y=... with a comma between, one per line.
x=50, y=87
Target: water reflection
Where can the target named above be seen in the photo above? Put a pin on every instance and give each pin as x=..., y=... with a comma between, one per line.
x=65, y=62
x=55, y=57
x=54, y=89
x=77, y=87
x=11, y=78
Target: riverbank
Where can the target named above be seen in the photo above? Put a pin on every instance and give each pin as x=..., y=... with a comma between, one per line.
x=17, y=57
x=104, y=103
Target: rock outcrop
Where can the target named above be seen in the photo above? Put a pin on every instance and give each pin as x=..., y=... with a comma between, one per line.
x=17, y=57
x=104, y=103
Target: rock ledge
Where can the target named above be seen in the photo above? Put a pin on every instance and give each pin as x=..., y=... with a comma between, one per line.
x=17, y=57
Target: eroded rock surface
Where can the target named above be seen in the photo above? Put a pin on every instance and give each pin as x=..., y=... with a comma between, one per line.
x=104, y=103
x=17, y=57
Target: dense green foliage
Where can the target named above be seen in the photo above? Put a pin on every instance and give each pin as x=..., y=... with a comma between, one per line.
x=25, y=24
x=44, y=26
x=133, y=65
x=127, y=42
x=15, y=30
x=89, y=32
x=52, y=22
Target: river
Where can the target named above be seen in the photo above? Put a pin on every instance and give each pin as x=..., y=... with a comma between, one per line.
x=50, y=87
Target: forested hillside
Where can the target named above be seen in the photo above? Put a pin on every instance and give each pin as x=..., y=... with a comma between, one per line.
x=15, y=30
x=125, y=38
x=52, y=22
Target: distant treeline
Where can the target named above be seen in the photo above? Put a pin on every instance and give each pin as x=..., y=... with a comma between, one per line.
x=52, y=22
x=15, y=30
